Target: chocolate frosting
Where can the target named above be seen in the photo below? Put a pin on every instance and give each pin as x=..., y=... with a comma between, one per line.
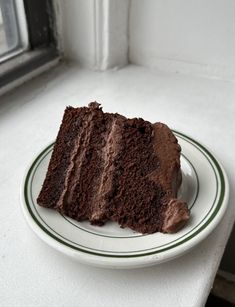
x=76, y=159
x=108, y=154
x=168, y=152
x=176, y=216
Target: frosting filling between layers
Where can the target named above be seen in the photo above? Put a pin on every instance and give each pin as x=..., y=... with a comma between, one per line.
x=109, y=152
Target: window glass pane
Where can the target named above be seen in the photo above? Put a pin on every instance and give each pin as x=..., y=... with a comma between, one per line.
x=3, y=43
x=11, y=25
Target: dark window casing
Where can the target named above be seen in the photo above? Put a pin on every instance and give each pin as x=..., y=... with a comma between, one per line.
x=40, y=17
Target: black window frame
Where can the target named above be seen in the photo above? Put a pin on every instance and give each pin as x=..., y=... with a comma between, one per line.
x=43, y=46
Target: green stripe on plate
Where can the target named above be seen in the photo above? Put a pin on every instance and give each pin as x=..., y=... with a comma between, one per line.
x=97, y=250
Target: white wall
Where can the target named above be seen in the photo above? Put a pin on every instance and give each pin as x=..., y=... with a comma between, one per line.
x=0, y=17
x=95, y=32
x=77, y=31
x=184, y=35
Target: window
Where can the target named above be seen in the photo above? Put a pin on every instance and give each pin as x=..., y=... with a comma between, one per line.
x=13, y=30
x=27, y=37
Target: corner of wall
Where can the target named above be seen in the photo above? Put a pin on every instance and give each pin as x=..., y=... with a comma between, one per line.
x=95, y=32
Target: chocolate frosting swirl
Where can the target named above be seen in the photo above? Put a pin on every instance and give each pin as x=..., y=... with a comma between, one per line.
x=176, y=216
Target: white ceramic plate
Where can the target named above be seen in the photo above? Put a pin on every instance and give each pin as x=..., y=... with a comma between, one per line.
x=204, y=187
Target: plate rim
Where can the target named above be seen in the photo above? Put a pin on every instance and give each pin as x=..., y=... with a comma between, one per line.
x=142, y=259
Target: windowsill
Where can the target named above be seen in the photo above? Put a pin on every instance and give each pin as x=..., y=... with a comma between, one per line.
x=22, y=67
x=29, y=119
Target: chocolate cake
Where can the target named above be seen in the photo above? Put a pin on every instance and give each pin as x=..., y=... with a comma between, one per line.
x=107, y=167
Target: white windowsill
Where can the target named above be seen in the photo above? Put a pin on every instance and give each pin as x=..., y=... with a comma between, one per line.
x=35, y=274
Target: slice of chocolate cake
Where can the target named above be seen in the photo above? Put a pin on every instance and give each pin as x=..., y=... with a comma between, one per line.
x=107, y=167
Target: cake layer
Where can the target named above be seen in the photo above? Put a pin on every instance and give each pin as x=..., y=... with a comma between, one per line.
x=146, y=176
x=85, y=167
x=107, y=167
x=54, y=182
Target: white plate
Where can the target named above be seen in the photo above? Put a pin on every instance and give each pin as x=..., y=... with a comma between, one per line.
x=204, y=187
